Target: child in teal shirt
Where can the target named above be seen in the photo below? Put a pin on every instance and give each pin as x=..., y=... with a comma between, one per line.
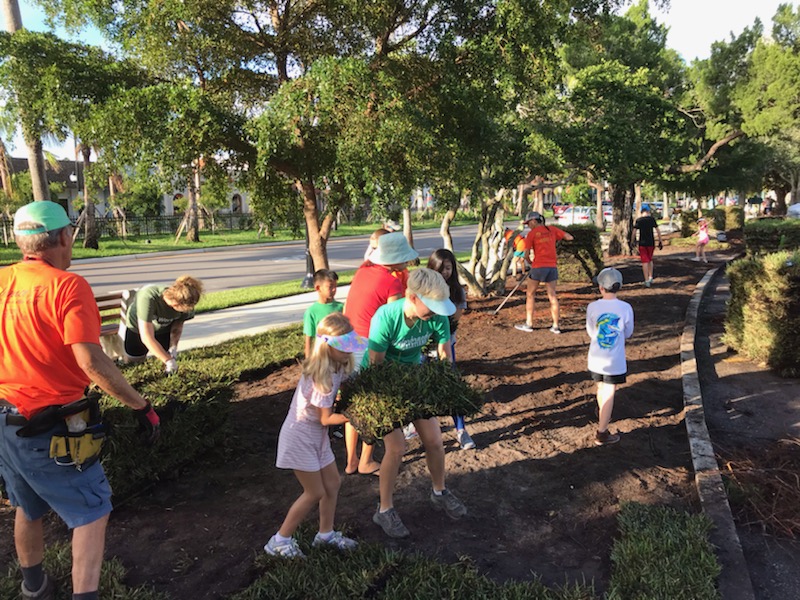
x=325, y=282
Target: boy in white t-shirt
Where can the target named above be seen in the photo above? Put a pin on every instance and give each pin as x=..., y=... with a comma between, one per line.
x=609, y=322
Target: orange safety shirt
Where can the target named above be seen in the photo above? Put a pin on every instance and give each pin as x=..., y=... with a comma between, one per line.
x=542, y=240
x=43, y=311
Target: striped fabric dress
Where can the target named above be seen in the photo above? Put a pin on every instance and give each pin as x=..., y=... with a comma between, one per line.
x=303, y=443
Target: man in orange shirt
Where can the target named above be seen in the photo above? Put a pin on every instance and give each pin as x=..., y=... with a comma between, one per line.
x=541, y=240
x=49, y=352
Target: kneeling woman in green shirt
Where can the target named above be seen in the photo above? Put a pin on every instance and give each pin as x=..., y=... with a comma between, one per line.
x=154, y=322
x=398, y=331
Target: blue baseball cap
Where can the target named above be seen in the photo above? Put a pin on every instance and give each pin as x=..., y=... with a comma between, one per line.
x=45, y=215
x=443, y=307
x=645, y=207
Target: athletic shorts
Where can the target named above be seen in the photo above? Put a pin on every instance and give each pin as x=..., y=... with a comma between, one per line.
x=544, y=274
x=646, y=253
x=134, y=346
x=37, y=484
x=518, y=254
x=608, y=378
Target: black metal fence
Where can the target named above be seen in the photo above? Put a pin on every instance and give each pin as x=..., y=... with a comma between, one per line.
x=150, y=226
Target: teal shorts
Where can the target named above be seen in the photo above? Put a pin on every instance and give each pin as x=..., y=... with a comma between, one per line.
x=35, y=483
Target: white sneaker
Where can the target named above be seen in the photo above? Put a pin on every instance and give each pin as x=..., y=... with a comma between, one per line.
x=288, y=549
x=524, y=327
x=410, y=432
x=464, y=440
x=696, y=258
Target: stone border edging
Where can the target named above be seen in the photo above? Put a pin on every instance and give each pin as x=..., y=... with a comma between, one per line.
x=734, y=580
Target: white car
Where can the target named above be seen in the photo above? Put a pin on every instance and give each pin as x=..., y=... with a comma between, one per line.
x=793, y=211
x=578, y=215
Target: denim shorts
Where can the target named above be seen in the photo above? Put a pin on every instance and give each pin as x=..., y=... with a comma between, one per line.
x=544, y=274
x=35, y=483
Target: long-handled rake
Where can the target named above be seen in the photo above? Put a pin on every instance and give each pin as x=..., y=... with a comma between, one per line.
x=503, y=303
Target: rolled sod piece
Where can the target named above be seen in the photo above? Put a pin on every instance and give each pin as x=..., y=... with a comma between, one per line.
x=383, y=397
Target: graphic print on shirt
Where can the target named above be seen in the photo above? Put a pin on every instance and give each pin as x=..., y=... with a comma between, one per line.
x=608, y=330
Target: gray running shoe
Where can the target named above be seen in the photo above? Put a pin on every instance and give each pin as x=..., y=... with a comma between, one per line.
x=452, y=506
x=524, y=327
x=46, y=592
x=288, y=549
x=465, y=441
x=605, y=438
x=337, y=540
x=555, y=330
x=390, y=522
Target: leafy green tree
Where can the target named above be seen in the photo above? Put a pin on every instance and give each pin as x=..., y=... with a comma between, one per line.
x=51, y=87
x=768, y=99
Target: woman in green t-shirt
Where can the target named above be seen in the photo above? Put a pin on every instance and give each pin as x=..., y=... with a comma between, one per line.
x=154, y=322
x=398, y=331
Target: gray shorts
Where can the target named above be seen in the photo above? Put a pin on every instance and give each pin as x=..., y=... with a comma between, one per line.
x=37, y=484
x=544, y=274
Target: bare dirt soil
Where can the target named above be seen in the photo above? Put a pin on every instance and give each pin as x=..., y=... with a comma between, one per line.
x=542, y=498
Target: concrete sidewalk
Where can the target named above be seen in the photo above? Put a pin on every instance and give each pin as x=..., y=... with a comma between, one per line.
x=211, y=328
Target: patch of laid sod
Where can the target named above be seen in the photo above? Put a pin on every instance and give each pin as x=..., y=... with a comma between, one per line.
x=193, y=405
x=692, y=241
x=58, y=565
x=372, y=571
x=662, y=554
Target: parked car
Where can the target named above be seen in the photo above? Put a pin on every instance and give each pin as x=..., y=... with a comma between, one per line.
x=793, y=211
x=559, y=208
x=578, y=215
x=608, y=213
x=657, y=210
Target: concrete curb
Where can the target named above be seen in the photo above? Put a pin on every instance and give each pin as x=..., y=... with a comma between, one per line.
x=734, y=580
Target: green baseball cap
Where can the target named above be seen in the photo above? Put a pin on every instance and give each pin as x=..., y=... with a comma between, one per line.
x=49, y=216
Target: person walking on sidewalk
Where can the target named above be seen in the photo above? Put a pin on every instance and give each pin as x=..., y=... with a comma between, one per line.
x=609, y=322
x=702, y=240
x=303, y=443
x=541, y=240
x=444, y=262
x=399, y=331
x=646, y=225
x=49, y=352
x=373, y=285
x=154, y=322
x=325, y=282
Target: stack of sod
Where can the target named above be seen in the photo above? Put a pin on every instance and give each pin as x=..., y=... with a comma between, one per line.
x=383, y=397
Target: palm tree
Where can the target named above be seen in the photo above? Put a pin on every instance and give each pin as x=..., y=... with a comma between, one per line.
x=36, y=164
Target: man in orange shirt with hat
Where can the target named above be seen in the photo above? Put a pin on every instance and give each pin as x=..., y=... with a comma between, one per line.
x=49, y=352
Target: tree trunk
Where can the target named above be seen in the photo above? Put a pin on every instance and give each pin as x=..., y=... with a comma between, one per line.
x=192, y=229
x=317, y=236
x=408, y=231
x=5, y=176
x=622, y=210
x=36, y=167
x=90, y=238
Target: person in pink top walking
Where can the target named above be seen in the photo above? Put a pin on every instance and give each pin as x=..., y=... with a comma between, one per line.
x=303, y=443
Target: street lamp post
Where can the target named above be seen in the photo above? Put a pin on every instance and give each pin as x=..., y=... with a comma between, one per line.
x=308, y=280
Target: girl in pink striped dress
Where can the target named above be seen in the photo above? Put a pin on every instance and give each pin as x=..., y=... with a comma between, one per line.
x=303, y=443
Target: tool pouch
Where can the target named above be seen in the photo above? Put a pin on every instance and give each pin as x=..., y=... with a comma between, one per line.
x=79, y=438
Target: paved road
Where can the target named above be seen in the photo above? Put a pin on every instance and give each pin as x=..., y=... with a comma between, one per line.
x=244, y=266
